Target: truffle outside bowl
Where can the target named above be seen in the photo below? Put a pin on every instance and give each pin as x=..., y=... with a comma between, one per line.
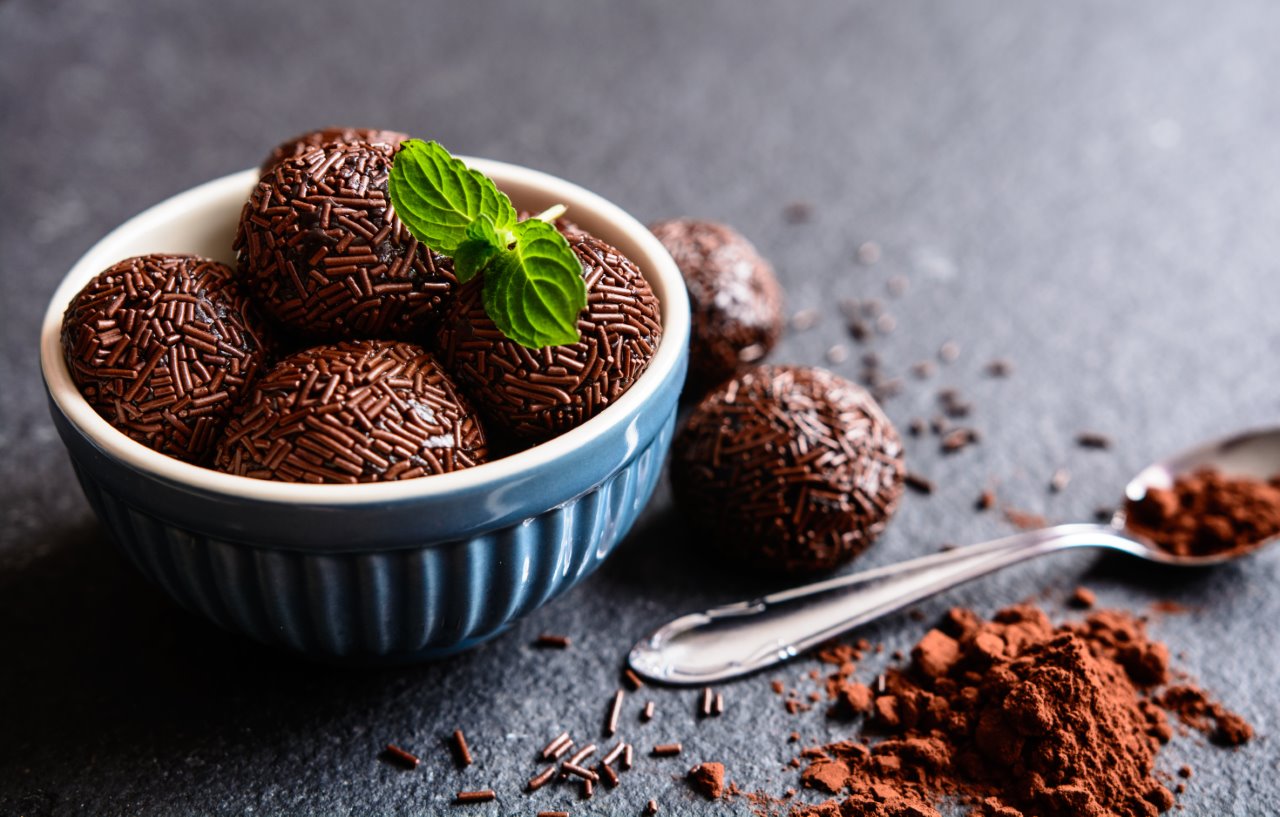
x=381, y=572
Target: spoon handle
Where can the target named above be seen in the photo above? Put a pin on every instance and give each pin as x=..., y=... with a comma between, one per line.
x=726, y=642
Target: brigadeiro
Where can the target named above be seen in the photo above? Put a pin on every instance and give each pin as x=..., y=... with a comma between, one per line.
x=354, y=411
x=535, y=394
x=303, y=142
x=736, y=300
x=162, y=346
x=788, y=468
x=324, y=253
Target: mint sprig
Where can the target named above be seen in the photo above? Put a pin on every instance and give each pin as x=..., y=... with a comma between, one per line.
x=533, y=287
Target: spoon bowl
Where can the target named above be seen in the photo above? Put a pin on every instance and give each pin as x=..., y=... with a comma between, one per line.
x=739, y=639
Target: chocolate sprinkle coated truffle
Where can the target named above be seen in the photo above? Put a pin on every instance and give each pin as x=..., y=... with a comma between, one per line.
x=303, y=142
x=162, y=346
x=535, y=394
x=324, y=252
x=735, y=297
x=355, y=411
x=788, y=468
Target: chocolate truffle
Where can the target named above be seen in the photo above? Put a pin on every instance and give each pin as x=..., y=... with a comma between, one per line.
x=535, y=394
x=788, y=468
x=354, y=411
x=735, y=297
x=303, y=142
x=324, y=253
x=162, y=346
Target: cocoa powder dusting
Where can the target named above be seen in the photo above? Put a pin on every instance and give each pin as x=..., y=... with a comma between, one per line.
x=1208, y=513
x=1014, y=717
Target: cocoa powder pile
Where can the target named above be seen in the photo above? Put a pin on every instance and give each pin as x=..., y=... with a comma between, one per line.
x=1208, y=513
x=1014, y=717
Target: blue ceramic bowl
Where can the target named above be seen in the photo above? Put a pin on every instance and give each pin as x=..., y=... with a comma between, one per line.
x=396, y=571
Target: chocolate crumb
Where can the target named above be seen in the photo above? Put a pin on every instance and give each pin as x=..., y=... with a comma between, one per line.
x=986, y=500
x=708, y=779
x=999, y=367
x=837, y=354
x=797, y=212
x=868, y=253
x=1025, y=520
x=916, y=427
x=1060, y=480
x=897, y=285
x=1184, y=772
x=959, y=439
x=805, y=319
x=923, y=369
x=1082, y=598
x=858, y=330
x=949, y=351
x=885, y=324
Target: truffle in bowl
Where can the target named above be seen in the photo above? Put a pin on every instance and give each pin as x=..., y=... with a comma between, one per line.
x=387, y=571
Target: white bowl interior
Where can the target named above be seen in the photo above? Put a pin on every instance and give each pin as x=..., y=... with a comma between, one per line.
x=203, y=220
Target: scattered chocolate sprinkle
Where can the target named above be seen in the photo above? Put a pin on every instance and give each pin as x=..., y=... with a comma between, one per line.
x=350, y=412
x=667, y=749
x=923, y=369
x=549, y=751
x=163, y=347
x=837, y=354
x=556, y=642
x=628, y=755
x=1025, y=520
x=1207, y=513
x=999, y=368
x=631, y=678
x=588, y=789
x=1060, y=480
x=953, y=404
x=858, y=329
x=797, y=212
x=481, y=796
x=708, y=780
x=401, y=757
x=897, y=285
x=462, y=752
x=553, y=814
x=789, y=468
x=581, y=755
x=1090, y=439
x=541, y=779
x=561, y=750
x=805, y=319
x=1104, y=514
x=325, y=254
x=614, y=753
x=986, y=500
x=949, y=352
x=609, y=776
x=579, y=771
x=734, y=295
x=1082, y=598
x=868, y=253
x=917, y=483
x=872, y=308
x=959, y=439
x=615, y=709
x=885, y=324
x=888, y=389
x=939, y=424
x=717, y=706
x=704, y=705
x=651, y=807
x=304, y=142
x=916, y=427
x=537, y=394
x=646, y=714
x=1184, y=772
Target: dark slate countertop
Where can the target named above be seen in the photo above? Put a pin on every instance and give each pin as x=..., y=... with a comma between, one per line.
x=1087, y=189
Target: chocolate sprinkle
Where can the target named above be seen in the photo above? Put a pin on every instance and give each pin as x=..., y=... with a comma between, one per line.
x=667, y=750
x=325, y=254
x=536, y=394
x=482, y=796
x=163, y=346
x=355, y=411
x=462, y=752
x=541, y=779
x=402, y=757
x=918, y=483
x=303, y=142
x=1091, y=439
x=615, y=709
x=734, y=295
x=556, y=642
x=789, y=468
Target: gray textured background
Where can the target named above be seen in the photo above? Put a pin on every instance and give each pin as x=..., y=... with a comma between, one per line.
x=1087, y=188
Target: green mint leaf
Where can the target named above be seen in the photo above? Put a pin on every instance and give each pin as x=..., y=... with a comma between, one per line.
x=534, y=291
x=478, y=249
x=438, y=197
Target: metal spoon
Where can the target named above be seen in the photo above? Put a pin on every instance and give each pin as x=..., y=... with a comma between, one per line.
x=741, y=638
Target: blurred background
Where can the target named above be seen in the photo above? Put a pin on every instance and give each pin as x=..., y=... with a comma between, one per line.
x=1087, y=189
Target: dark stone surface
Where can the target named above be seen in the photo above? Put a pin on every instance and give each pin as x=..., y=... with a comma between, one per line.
x=1085, y=188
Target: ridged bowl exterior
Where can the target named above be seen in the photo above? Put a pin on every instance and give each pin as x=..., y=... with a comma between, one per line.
x=384, y=572
x=410, y=603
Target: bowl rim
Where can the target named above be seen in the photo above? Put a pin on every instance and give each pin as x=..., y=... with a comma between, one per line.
x=660, y=270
